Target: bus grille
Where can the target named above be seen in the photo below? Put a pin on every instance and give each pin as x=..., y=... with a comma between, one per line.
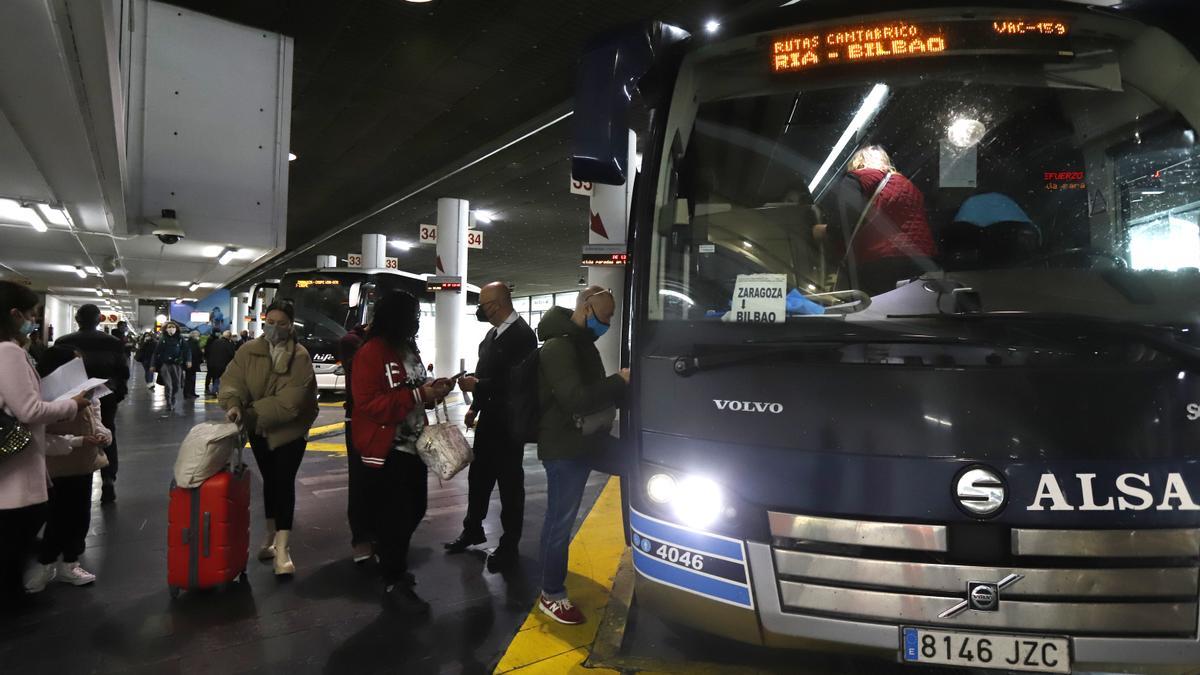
x=1076, y=582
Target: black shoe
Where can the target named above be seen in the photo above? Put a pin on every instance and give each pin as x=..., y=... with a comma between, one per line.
x=108, y=492
x=502, y=560
x=465, y=540
x=401, y=598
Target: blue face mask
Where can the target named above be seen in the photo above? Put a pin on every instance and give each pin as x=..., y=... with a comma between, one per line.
x=596, y=326
x=28, y=327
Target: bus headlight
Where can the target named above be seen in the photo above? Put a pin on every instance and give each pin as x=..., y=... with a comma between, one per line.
x=695, y=501
x=661, y=488
x=699, y=502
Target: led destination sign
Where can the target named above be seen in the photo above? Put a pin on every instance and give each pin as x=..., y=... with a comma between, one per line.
x=306, y=283
x=907, y=39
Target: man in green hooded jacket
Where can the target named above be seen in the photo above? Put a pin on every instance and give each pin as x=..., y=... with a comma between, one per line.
x=578, y=403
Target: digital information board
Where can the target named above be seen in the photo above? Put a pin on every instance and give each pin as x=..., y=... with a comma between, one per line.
x=856, y=43
x=604, y=255
x=444, y=283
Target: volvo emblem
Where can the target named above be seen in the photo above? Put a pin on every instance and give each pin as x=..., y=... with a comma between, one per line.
x=980, y=492
x=982, y=596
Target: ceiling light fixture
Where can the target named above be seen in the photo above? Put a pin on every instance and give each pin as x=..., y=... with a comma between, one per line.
x=226, y=256
x=99, y=292
x=53, y=215
x=711, y=26
x=192, y=288
x=212, y=251
x=866, y=112
x=17, y=212
x=79, y=272
x=401, y=244
x=484, y=216
x=91, y=269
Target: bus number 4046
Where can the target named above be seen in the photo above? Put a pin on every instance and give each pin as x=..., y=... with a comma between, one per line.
x=684, y=558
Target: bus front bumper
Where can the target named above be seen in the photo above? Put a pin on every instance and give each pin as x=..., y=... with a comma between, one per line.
x=762, y=619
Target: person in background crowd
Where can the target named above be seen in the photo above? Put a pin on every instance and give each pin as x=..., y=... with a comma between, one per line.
x=103, y=356
x=572, y=385
x=172, y=355
x=220, y=353
x=196, y=356
x=36, y=346
x=358, y=509
x=74, y=451
x=145, y=356
x=122, y=333
x=23, y=481
x=390, y=393
x=244, y=338
x=498, y=456
x=271, y=391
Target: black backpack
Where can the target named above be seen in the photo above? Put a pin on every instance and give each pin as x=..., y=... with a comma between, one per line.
x=524, y=401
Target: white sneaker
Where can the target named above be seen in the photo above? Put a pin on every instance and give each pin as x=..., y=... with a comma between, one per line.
x=38, y=575
x=72, y=573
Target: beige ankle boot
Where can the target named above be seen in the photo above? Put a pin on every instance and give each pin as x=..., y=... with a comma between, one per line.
x=283, y=556
x=268, y=548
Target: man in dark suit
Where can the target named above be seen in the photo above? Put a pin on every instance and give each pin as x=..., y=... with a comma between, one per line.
x=497, y=455
x=103, y=356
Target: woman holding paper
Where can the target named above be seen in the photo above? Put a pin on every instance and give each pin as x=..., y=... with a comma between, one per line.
x=23, y=492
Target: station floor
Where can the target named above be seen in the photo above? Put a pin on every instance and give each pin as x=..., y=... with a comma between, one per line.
x=328, y=619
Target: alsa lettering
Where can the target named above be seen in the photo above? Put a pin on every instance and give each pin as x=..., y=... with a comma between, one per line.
x=1130, y=492
x=1193, y=411
x=759, y=292
x=749, y=406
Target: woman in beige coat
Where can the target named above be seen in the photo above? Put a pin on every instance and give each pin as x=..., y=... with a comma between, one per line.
x=270, y=390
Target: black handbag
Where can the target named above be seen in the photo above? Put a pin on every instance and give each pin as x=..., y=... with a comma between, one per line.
x=14, y=436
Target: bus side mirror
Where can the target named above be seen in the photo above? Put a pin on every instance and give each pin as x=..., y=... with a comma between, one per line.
x=612, y=65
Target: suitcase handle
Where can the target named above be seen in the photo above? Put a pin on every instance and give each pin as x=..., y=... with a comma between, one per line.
x=186, y=536
x=206, y=533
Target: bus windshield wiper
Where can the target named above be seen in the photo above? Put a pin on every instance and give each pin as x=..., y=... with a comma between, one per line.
x=1153, y=334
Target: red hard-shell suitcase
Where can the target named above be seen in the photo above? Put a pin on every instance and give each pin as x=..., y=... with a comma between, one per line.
x=208, y=532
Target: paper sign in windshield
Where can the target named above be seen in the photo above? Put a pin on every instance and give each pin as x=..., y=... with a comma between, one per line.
x=759, y=298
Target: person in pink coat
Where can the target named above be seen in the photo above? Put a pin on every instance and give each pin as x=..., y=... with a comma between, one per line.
x=23, y=479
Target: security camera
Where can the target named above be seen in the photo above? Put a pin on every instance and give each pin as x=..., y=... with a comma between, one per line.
x=167, y=228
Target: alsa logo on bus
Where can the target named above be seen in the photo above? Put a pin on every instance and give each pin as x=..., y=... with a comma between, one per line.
x=749, y=406
x=1131, y=492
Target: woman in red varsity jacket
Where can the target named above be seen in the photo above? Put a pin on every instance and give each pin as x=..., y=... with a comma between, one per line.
x=391, y=392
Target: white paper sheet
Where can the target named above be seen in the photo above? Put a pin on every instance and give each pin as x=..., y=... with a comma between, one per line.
x=70, y=379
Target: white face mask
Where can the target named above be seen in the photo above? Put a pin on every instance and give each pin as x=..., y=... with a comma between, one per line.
x=170, y=331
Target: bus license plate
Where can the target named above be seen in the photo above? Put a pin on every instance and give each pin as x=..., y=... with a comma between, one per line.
x=982, y=650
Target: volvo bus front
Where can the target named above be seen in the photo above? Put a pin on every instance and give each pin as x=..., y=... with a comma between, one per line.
x=914, y=301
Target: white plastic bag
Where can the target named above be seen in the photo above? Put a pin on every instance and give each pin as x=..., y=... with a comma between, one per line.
x=443, y=447
x=206, y=450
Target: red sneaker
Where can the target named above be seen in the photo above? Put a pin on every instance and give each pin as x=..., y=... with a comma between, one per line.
x=561, y=611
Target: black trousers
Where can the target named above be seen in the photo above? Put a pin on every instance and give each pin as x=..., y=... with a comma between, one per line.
x=189, y=383
x=278, y=468
x=18, y=532
x=67, y=519
x=108, y=417
x=358, y=505
x=497, y=463
x=398, y=493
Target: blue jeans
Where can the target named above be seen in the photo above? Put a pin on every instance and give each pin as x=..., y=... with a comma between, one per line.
x=565, y=480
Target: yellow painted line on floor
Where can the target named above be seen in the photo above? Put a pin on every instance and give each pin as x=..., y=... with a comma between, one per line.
x=324, y=446
x=332, y=404
x=327, y=429
x=544, y=646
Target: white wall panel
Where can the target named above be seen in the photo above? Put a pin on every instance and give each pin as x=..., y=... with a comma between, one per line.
x=215, y=124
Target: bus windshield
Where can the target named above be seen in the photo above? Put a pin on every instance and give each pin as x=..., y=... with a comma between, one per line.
x=327, y=304
x=918, y=188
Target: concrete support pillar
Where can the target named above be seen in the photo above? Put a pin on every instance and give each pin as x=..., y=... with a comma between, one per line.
x=608, y=225
x=255, y=326
x=235, y=314
x=453, y=218
x=324, y=261
x=374, y=251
